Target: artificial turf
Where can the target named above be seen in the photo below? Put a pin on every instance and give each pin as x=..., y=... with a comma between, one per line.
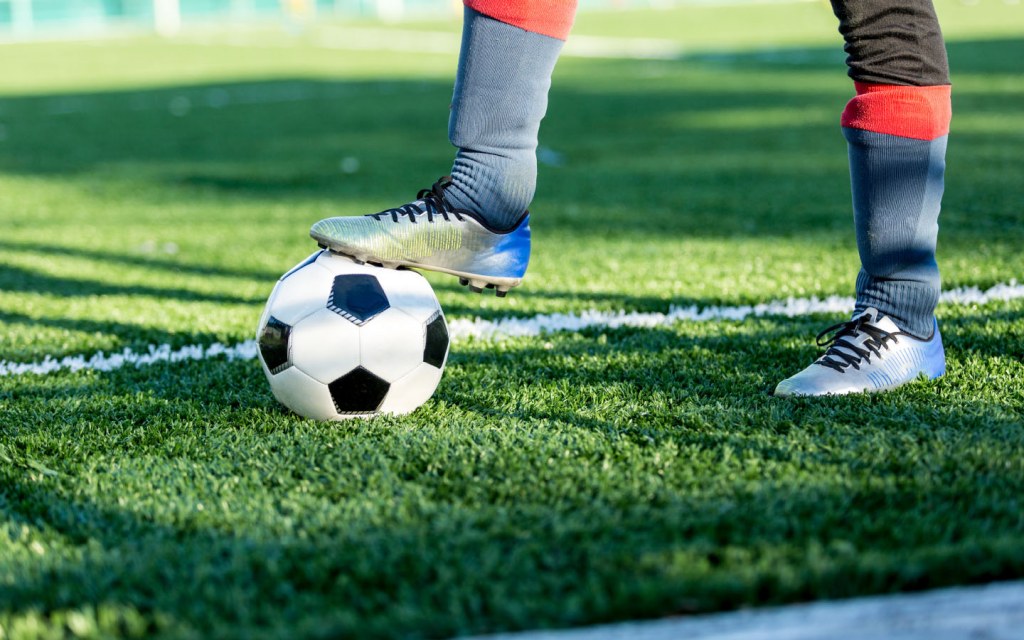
x=151, y=191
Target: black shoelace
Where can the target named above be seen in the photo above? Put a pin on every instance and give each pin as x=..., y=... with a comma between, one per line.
x=428, y=201
x=843, y=352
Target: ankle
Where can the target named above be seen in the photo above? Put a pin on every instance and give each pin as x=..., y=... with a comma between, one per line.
x=498, y=194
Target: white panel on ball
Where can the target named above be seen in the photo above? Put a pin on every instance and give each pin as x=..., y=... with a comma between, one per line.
x=306, y=289
x=303, y=395
x=325, y=346
x=343, y=264
x=386, y=342
x=412, y=390
x=410, y=292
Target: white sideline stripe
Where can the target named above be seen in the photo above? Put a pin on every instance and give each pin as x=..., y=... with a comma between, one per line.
x=462, y=328
x=155, y=354
x=477, y=328
x=994, y=612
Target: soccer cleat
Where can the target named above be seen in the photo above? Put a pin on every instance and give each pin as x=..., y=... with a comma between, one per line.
x=430, y=234
x=867, y=354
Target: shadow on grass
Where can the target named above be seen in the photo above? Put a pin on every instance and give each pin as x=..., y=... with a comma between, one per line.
x=472, y=524
x=577, y=480
x=996, y=333
x=25, y=280
x=131, y=336
x=169, y=265
x=690, y=156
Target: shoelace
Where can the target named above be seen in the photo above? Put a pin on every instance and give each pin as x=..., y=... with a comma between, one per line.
x=428, y=201
x=843, y=352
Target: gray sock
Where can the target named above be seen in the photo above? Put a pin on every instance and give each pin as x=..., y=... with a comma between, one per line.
x=897, y=191
x=501, y=95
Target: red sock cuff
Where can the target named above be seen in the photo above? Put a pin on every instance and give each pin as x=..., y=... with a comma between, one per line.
x=922, y=113
x=551, y=18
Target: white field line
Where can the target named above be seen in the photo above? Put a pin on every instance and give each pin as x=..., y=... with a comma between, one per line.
x=993, y=611
x=462, y=329
x=153, y=355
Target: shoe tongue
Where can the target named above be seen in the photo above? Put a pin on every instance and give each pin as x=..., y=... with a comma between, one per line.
x=875, y=317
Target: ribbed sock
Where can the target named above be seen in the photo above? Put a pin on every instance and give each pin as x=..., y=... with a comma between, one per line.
x=500, y=98
x=897, y=144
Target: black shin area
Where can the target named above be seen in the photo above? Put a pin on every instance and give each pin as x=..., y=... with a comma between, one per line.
x=893, y=42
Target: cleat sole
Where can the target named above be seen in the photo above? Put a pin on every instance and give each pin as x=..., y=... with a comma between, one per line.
x=500, y=286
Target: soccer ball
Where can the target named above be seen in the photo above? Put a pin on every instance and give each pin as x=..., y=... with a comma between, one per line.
x=341, y=340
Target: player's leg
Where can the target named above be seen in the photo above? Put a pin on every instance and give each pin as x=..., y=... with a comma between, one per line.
x=475, y=224
x=896, y=128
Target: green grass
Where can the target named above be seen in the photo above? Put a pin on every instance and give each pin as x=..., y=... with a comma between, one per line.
x=554, y=481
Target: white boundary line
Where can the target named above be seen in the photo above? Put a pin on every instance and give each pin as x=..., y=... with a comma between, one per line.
x=480, y=329
x=994, y=612
x=462, y=328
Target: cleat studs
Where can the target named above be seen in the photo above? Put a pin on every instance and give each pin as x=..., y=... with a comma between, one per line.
x=479, y=286
x=321, y=245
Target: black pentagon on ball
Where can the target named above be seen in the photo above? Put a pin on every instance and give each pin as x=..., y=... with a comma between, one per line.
x=274, y=344
x=358, y=391
x=357, y=297
x=437, y=341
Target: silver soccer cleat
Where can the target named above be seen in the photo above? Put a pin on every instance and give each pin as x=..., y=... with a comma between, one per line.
x=867, y=354
x=430, y=234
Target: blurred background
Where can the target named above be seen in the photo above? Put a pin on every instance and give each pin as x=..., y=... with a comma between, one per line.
x=166, y=134
x=22, y=19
